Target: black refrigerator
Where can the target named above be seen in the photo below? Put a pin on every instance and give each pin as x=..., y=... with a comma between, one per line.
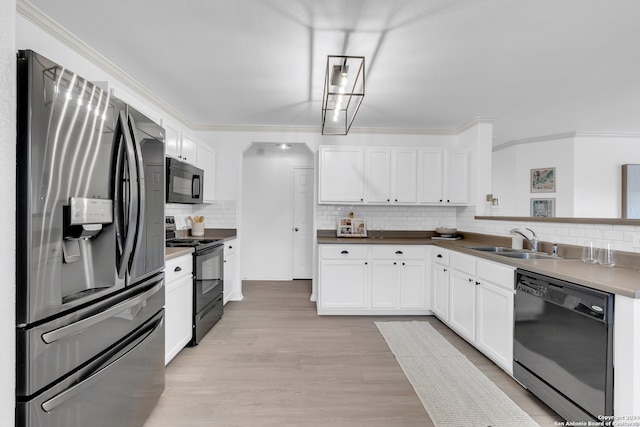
x=90, y=253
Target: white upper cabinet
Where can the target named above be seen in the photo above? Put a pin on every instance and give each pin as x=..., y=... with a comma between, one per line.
x=456, y=177
x=443, y=176
x=341, y=174
x=378, y=172
x=404, y=182
x=172, y=142
x=206, y=160
x=188, y=150
x=179, y=147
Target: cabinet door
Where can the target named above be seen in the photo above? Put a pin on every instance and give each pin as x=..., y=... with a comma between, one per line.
x=178, y=316
x=341, y=174
x=404, y=178
x=456, y=189
x=383, y=284
x=494, y=324
x=462, y=309
x=343, y=284
x=207, y=162
x=230, y=283
x=412, y=284
x=441, y=292
x=378, y=175
x=430, y=175
x=188, y=150
x=172, y=142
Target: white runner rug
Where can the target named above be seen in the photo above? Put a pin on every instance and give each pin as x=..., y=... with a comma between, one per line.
x=453, y=391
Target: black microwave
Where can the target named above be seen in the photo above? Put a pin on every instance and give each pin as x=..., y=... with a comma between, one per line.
x=184, y=182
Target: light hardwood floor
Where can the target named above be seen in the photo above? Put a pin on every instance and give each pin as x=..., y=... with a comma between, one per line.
x=271, y=361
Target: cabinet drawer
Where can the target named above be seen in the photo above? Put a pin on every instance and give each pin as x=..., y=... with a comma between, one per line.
x=343, y=251
x=401, y=252
x=439, y=255
x=462, y=262
x=496, y=273
x=230, y=247
x=178, y=267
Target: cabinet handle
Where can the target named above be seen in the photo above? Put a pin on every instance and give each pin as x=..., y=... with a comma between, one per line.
x=398, y=252
x=177, y=268
x=362, y=200
x=388, y=200
x=439, y=256
x=403, y=263
x=470, y=280
x=448, y=200
x=345, y=252
x=445, y=269
x=395, y=263
x=366, y=263
x=477, y=283
x=230, y=247
x=441, y=200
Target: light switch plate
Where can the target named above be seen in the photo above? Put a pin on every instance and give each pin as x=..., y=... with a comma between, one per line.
x=635, y=240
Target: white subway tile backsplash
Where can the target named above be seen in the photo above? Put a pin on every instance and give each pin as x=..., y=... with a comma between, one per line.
x=220, y=214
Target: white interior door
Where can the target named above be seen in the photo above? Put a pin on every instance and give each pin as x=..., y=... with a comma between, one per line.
x=302, y=223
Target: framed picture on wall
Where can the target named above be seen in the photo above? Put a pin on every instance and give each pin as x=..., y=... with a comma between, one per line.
x=543, y=180
x=543, y=207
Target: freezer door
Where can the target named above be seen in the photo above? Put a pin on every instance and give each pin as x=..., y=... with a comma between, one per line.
x=51, y=350
x=119, y=387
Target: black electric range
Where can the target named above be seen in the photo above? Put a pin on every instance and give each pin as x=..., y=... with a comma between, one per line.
x=208, y=265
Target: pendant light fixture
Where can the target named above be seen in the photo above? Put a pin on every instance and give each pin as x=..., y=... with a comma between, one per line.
x=343, y=93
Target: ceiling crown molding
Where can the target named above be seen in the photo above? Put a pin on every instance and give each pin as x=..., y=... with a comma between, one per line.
x=43, y=21
x=566, y=135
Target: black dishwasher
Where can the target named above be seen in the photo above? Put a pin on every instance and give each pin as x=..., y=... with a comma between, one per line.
x=563, y=345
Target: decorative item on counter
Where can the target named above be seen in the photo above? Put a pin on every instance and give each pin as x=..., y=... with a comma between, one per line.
x=197, y=225
x=446, y=233
x=607, y=255
x=351, y=227
x=590, y=253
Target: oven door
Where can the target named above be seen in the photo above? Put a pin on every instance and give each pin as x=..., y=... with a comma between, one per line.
x=184, y=182
x=208, y=268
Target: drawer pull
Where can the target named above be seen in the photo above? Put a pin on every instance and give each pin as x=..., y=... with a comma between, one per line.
x=178, y=268
x=398, y=252
x=345, y=252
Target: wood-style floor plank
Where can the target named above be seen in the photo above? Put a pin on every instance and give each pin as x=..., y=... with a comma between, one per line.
x=271, y=361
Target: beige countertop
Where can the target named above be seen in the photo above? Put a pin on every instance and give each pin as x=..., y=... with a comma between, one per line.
x=170, y=253
x=621, y=279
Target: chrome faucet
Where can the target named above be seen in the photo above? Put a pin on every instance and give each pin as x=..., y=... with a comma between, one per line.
x=533, y=242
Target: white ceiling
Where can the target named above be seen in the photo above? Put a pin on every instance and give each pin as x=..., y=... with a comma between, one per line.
x=540, y=67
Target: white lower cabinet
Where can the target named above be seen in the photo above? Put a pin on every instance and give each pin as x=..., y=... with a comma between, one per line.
x=373, y=279
x=344, y=278
x=440, y=285
x=231, y=284
x=178, y=310
x=479, y=303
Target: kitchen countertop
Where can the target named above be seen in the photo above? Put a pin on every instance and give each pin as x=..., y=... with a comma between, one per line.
x=222, y=234
x=170, y=253
x=621, y=280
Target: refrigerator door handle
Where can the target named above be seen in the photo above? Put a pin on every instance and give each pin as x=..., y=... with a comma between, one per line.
x=64, y=396
x=74, y=328
x=132, y=207
x=140, y=185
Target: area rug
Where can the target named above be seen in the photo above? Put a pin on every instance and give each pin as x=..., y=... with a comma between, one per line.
x=453, y=391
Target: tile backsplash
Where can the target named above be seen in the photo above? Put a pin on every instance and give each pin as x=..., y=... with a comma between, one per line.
x=220, y=214
x=388, y=217
x=570, y=234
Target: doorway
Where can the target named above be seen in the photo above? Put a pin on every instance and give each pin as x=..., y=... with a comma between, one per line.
x=269, y=205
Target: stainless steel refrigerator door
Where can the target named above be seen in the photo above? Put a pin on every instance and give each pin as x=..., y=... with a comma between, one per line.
x=51, y=350
x=65, y=148
x=118, y=388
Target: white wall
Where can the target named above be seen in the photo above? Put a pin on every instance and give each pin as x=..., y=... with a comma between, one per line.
x=7, y=210
x=512, y=173
x=266, y=217
x=598, y=174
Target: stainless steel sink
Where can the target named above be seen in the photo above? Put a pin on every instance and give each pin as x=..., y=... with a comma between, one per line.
x=514, y=253
x=496, y=249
